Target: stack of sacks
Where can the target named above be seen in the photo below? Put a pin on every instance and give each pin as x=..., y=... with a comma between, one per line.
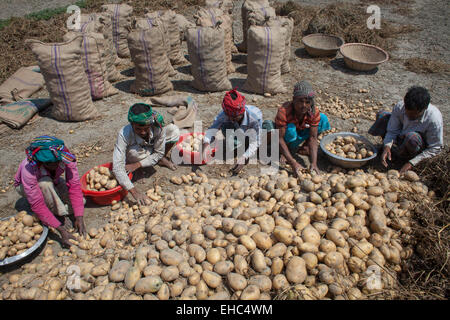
x=207, y=55
x=265, y=56
x=227, y=7
x=210, y=18
x=101, y=23
x=121, y=25
x=94, y=57
x=168, y=17
x=261, y=12
x=149, y=23
x=151, y=63
x=65, y=78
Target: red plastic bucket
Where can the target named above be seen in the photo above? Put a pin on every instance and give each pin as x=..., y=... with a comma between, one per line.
x=191, y=157
x=107, y=196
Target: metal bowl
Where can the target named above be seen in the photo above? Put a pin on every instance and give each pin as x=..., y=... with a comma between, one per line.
x=26, y=253
x=345, y=162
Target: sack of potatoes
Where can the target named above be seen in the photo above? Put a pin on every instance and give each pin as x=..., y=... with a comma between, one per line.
x=100, y=179
x=18, y=233
x=349, y=147
x=193, y=142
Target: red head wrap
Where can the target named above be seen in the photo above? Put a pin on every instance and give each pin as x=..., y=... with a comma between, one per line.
x=233, y=103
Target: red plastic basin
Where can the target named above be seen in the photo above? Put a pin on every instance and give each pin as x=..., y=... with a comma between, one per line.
x=191, y=157
x=107, y=196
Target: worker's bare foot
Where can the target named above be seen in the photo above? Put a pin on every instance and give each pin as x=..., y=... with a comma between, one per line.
x=167, y=163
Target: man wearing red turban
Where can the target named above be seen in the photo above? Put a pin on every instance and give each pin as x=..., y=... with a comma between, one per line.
x=237, y=115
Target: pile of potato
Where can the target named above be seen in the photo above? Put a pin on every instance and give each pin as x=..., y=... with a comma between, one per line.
x=18, y=233
x=336, y=106
x=349, y=147
x=193, y=142
x=100, y=179
x=258, y=238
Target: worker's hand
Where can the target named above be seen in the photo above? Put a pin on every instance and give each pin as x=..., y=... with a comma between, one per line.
x=314, y=167
x=131, y=167
x=237, y=168
x=297, y=168
x=140, y=197
x=65, y=236
x=406, y=167
x=386, y=155
x=79, y=226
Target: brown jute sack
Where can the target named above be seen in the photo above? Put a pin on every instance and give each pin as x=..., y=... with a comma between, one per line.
x=288, y=24
x=101, y=23
x=150, y=61
x=65, y=79
x=93, y=55
x=207, y=55
x=149, y=23
x=121, y=26
x=262, y=12
x=183, y=25
x=265, y=55
x=209, y=17
x=168, y=17
x=22, y=84
x=227, y=7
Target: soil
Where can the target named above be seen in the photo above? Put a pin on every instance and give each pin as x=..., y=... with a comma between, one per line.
x=388, y=84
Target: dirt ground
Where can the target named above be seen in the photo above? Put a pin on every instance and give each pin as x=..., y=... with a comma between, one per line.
x=329, y=77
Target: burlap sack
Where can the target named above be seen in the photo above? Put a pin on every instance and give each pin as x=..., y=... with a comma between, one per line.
x=183, y=25
x=207, y=55
x=288, y=24
x=150, y=61
x=22, y=84
x=121, y=26
x=148, y=23
x=101, y=23
x=93, y=55
x=209, y=17
x=168, y=17
x=227, y=7
x=17, y=114
x=185, y=109
x=261, y=10
x=65, y=79
x=265, y=55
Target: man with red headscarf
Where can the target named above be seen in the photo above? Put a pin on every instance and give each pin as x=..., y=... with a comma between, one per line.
x=237, y=115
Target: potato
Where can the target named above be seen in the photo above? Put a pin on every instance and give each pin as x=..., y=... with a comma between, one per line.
x=108, y=292
x=411, y=176
x=252, y=292
x=308, y=247
x=335, y=236
x=310, y=260
x=197, y=252
x=263, y=282
x=258, y=261
x=212, y=279
x=340, y=224
x=221, y=295
x=223, y=267
x=302, y=221
x=311, y=235
x=100, y=270
x=283, y=235
x=240, y=229
x=119, y=270
x=296, y=270
x=277, y=250
x=334, y=260
x=279, y=282
x=236, y=281
x=170, y=257
x=361, y=249
x=213, y=255
x=170, y=273
x=240, y=264
x=377, y=219
x=201, y=290
x=248, y=242
x=262, y=240
x=132, y=277
x=148, y=285
x=27, y=220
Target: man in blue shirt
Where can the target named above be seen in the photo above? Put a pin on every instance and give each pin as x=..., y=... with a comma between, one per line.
x=237, y=115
